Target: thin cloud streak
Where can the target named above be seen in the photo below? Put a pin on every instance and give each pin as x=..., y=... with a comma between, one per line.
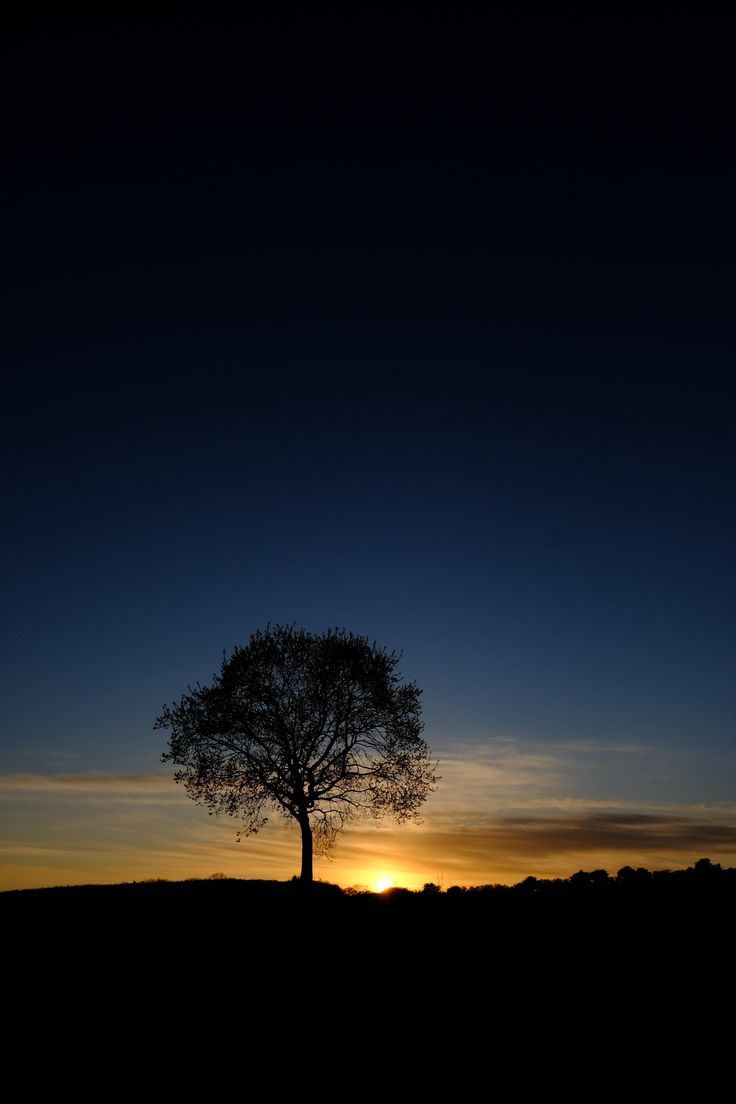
x=89, y=782
x=547, y=837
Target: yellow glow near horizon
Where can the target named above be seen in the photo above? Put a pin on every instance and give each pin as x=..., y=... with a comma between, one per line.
x=383, y=883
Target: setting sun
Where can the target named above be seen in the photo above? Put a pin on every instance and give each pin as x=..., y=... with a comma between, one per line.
x=383, y=883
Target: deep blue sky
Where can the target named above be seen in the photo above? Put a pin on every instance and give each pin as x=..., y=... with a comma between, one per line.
x=426, y=334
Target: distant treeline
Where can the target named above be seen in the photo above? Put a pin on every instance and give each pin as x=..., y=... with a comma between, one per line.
x=704, y=875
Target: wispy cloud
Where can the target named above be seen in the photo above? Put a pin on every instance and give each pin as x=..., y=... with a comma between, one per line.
x=90, y=782
x=503, y=774
x=606, y=831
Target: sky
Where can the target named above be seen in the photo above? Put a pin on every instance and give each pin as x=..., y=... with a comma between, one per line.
x=421, y=328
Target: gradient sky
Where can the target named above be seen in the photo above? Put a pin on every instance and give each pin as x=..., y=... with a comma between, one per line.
x=427, y=334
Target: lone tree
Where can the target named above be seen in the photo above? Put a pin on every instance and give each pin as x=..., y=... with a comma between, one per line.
x=321, y=727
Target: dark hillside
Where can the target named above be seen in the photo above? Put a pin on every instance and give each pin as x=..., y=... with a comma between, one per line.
x=668, y=931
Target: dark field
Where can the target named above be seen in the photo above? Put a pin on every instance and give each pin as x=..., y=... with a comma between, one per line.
x=668, y=931
x=566, y=982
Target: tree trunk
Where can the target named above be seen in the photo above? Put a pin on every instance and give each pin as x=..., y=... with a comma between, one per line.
x=306, y=874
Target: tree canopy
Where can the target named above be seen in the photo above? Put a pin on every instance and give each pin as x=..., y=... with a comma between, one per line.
x=320, y=727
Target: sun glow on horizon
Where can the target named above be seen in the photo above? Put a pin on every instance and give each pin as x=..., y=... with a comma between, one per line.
x=383, y=884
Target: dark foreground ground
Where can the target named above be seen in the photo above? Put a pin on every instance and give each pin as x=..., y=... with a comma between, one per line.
x=566, y=983
x=582, y=985
x=669, y=931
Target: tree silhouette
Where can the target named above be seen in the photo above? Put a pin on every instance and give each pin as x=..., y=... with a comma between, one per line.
x=321, y=727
